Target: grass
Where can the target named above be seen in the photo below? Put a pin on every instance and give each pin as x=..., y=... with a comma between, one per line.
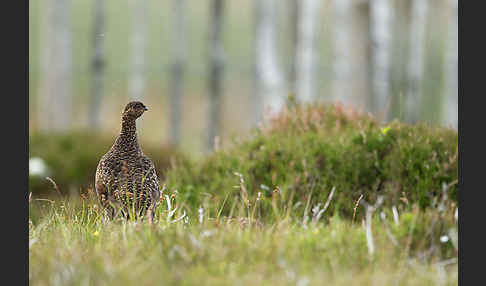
x=320, y=195
x=73, y=243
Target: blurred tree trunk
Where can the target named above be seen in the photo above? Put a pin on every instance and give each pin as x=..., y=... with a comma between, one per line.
x=139, y=43
x=450, y=113
x=216, y=56
x=418, y=23
x=308, y=12
x=342, y=45
x=381, y=12
x=294, y=22
x=399, y=60
x=98, y=64
x=177, y=70
x=268, y=96
x=56, y=82
x=361, y=77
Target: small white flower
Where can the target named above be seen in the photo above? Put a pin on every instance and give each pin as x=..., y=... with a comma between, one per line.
x=444, y=239
x=37, y=167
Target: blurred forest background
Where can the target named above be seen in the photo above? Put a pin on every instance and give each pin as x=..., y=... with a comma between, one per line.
x=214, y=67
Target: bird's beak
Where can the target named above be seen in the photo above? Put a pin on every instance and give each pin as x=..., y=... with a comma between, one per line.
x=145, y=108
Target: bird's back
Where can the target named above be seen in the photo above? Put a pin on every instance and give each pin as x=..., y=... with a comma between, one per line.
x=123, y=173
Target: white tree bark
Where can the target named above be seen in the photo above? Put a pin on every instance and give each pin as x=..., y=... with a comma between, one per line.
x=216, y=56
x=416, y=59
x=270, y=98
x=306, y=23
x=177, y=70
x=98, y=64
x=56, y=82
x=361, y=77
x=139, y=44
x=293, y=16
x=381, y=12
x=450, y=113
x=342, y=54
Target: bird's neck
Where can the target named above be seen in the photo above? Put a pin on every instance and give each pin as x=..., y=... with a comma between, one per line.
x=128, y=134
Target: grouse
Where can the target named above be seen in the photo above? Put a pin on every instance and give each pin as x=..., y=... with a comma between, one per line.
x=125, y=178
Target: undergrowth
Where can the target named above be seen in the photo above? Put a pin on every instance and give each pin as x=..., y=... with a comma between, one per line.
x=310, y=149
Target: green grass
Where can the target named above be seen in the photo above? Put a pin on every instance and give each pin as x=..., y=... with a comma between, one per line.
x=73, y=243
x=262, y=211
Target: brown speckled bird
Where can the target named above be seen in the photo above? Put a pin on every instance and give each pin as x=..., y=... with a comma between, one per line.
x=124, y=172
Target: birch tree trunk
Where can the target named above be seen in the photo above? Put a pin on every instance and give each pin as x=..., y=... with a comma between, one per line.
x=450, y=113
x=304, y=54
x=139, y=43
x=98, y=64
x=416, y=59
x=361, y=78
x=56, y=83
x=342, y=65
x=381, y=12
x=399, y=59
x=294, y=22
x=269, y=98
x=177, y=70
x=216, y=57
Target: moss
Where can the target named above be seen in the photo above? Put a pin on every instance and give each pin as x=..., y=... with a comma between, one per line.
x=314, y=148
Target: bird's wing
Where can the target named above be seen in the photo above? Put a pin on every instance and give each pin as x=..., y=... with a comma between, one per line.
x=150, y=180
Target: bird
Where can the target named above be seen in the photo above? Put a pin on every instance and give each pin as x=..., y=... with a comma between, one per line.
x=126, y=178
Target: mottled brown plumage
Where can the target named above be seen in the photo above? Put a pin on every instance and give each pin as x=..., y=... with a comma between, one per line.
x=125, y=173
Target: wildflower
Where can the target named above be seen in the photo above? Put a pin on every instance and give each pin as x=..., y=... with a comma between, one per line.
x=385, y=130
x=37, y=167
x=96, y=233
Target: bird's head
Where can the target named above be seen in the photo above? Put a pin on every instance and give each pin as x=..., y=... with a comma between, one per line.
x=134, y=110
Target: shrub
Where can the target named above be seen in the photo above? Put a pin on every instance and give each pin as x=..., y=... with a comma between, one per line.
x=308, y=150
x=72, y=158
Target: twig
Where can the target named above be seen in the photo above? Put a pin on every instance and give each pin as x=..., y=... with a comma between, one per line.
x=387, y=229
x=200, y=211
x=47, y=200
x=244, y=193
x=395, y=215
x=179, y=218
x=306, y=217
x=369, y=234
x=356, y=207
x=319, y=214
x=55, y=185
x=328, y=201
x=369, y=211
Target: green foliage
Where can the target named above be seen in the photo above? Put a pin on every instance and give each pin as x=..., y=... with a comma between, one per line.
x=72, y=159
x=308, y=150
x=73, y=243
